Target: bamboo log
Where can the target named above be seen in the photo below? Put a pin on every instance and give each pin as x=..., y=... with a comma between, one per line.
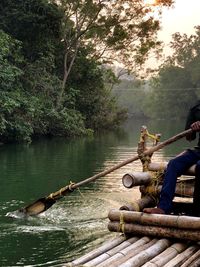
x=140, y=204
x=129, y=180
x=147, y=254
x=179, y=222
x=183, y=189
x=163, y=232
x=128, y=252
x=195, y=263
x=154, y=166
x=95, y=253
x=182, y=257
x=136, y=178
x=157, y=166
x=123, y=245
x=111, y=252
x=192, y=259
x=167, y=255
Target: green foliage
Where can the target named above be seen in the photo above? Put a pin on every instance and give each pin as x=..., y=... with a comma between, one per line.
x=24, y=116
x=15, y=119
x=36, y=23
x=93, y=98
x=176, y=87
x=10, y=61
x=124, y=31
x=52, y=81
x=66, y=122
x=40, y=78
x=27, y=98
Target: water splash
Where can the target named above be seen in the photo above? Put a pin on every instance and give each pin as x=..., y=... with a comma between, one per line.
x=17, y=214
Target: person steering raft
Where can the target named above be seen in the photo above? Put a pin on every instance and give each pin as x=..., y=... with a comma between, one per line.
x=177, y=166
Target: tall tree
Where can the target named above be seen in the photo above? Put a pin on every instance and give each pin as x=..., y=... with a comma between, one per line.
x=187, y=54
x=123, y=31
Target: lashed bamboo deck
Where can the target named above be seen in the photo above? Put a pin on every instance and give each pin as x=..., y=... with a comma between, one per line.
x=143, y=251
x=149, y=240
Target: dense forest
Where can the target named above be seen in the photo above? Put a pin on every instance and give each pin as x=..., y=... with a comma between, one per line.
x=53, y=79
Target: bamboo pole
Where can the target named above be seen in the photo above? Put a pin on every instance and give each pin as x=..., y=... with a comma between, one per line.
x=124, y=252
x=147, y=254
x=111, y=252
x=167, y=255
x=128, y=252
x=156, y=231
x=145, y=153
x=179, y=222
x=191, y=259
x=155, y=166
x=123, y=245
x=140, y=204
x=136, y=178
x=45, y=203
x=95, y=253
x=195, y=263
x=182, y=257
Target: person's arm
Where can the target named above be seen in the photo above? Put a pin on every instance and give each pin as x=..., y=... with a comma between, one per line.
x=190, y=122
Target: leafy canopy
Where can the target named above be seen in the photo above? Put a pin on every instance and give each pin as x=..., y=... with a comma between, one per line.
x=177, y=85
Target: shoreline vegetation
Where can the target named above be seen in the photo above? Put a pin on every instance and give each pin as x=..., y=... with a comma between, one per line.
x=56, y=77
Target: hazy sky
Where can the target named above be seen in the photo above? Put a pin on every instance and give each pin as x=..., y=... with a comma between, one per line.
x=182, y=18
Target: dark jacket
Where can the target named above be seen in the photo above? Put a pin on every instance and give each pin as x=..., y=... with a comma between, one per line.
x=193, y=116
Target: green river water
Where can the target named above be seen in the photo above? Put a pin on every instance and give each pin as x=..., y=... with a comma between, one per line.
x=77, y=223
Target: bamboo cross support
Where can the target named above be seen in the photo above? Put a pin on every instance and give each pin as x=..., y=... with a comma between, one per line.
x=178, y=222
x=140, y=204
x=155, y=166
x=155, y=231
x=183, y=189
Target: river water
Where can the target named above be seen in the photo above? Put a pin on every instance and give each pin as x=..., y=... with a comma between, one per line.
x=77, y=223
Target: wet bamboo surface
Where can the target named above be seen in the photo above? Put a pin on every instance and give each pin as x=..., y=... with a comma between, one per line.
x=142, y=251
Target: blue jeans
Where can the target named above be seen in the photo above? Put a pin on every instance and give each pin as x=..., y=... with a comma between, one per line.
x=175, y=168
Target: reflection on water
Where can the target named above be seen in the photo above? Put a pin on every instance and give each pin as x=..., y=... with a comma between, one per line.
x=78, y=222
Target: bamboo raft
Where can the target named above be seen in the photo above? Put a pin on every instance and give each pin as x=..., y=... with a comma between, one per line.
x=150, y=240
